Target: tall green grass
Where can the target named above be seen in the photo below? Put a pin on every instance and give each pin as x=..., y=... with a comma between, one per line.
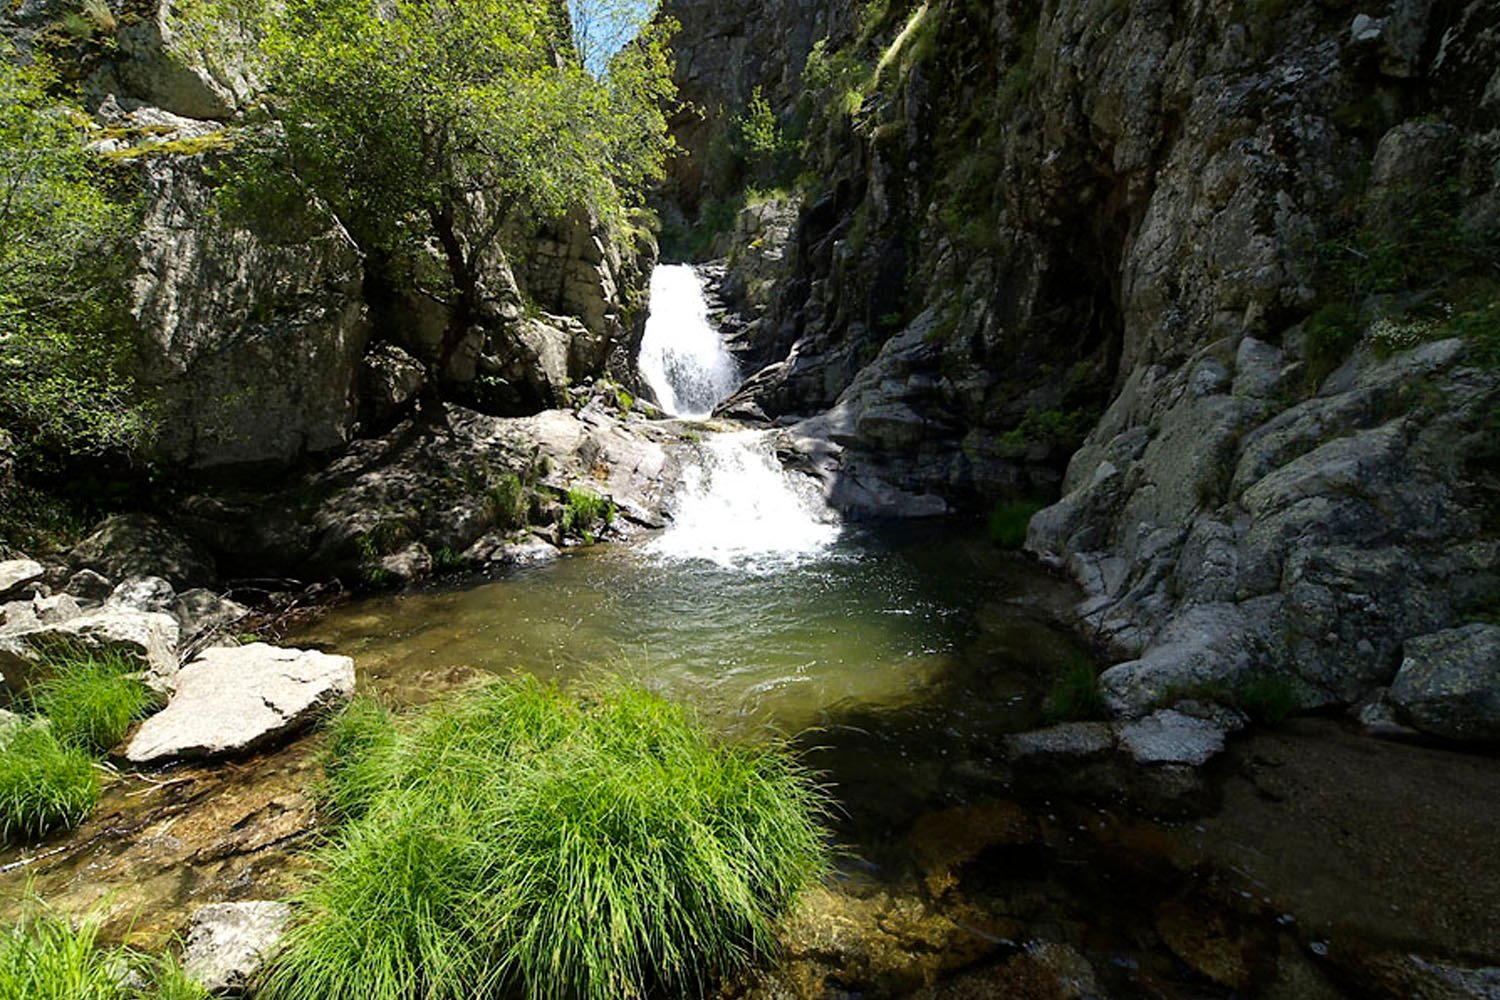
x=44, y=957
x=91, y=696
x=516, y=842
x=44, y=784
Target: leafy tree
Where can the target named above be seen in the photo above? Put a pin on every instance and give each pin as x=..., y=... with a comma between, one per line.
x=436, y=123
x=65, y=388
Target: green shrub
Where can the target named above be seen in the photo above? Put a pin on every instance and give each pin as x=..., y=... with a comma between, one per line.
x=1328, y=336
x=1009, y=520
x=1076, y=695
x=585, y=512
x=45, y=958
x=515, y=842
x=43, y=784
x=1266, y=698
x=90, y=697
x=510, y=500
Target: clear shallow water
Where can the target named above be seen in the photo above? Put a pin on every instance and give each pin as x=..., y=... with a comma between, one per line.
x=869, y=622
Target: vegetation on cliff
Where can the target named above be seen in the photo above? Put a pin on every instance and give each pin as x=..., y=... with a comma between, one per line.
x=455, y=126
x=514, y=841
x=66, y=391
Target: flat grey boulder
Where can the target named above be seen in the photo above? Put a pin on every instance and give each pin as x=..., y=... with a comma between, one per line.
x=228, y=943
x=1449, y=684
x=1069, y=740
x=16, y=575
x=147, y=637
x=233, y=700
x=1171, y=737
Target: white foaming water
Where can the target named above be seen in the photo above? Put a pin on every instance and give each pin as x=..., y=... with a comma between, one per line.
x=740, y=509
x=683, y=358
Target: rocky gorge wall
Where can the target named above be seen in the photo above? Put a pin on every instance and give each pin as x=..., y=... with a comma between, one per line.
x=260, y=331
x=1217, y=278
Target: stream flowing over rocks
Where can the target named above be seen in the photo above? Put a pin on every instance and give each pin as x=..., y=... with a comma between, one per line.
x=1099, y=289
x=1110, y=273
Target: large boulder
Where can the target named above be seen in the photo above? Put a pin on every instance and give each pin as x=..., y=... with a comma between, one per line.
x=228, y=942
x=139, y=545
x=234, y=700
x=1449, y=683
x=149, y=638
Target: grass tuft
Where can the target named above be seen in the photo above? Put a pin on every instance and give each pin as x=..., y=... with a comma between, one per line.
x=1009, y=521
x=585, y=512
x=91, y=697
x=515, y=842
x=44, y=957
x=43, y=784
x=1076, y=696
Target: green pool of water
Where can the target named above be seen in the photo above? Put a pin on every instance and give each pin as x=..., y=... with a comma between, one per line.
x=896, y=656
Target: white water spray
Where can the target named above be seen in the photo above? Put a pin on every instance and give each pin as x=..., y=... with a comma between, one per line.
x=738, y=507
x=683, y=358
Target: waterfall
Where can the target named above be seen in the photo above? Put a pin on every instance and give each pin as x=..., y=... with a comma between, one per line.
x=739, y=508
x=682, y=358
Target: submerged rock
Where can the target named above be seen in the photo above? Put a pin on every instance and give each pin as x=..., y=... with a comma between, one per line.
x=1449, y=683
x=1069, y=740
x=233, y=700
x=229, y=942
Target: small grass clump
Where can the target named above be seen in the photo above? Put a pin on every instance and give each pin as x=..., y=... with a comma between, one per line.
x=44, y=957
x=1076, y=696
x=1267, y=698
x=585, y=513
x=1009, y=521
x=44, y=784
x=516, y=842
x=90, y=697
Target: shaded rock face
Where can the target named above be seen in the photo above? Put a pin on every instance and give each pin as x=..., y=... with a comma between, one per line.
x=435, y=490
x=251, y=337
x=724, y=52
x=142, y=545
x=1070, y=251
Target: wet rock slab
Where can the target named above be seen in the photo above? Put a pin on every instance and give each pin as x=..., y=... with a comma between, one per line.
x=233, y=700
x=1170, y=737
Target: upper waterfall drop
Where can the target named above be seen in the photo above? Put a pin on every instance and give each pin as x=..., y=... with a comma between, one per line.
x=683, y=358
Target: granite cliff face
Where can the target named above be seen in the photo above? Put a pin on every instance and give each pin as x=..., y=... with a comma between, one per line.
x=1175, y=267
x=267, y=337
